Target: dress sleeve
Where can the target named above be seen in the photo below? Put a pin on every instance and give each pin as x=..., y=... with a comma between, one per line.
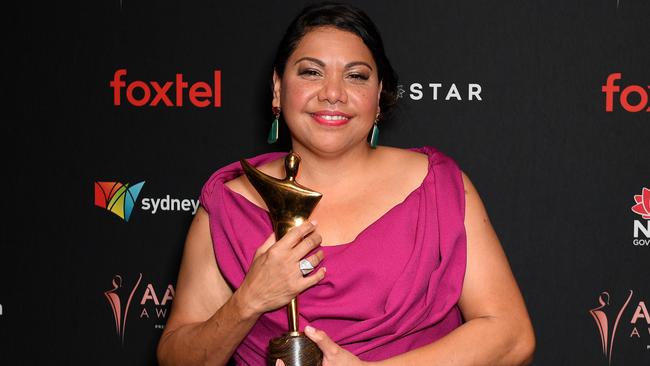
x=208, y=195
x=450, y=201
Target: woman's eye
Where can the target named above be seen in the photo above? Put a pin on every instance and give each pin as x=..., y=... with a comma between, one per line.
x=309, y=72
x=357, y=76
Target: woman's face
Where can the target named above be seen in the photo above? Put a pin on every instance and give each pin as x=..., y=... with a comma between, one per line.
x=329, y=93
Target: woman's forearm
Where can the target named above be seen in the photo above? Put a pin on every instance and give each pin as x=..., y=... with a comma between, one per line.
x=211, y=342
x=481, y=341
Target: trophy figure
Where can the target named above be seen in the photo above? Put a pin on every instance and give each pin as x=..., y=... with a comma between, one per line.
x=289, y=204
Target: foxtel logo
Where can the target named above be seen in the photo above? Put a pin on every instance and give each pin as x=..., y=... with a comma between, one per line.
x=139, y=93
x=610, y=88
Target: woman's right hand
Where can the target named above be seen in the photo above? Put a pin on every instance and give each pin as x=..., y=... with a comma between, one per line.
x=274, y=277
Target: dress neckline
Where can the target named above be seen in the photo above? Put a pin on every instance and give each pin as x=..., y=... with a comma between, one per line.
x=375, y=222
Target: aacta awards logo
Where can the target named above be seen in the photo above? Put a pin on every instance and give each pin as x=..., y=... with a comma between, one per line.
x=642, y=207
x=151, y=306
x=610, y=319
x=117, y=198
x=120, y=303
x=633, y=98
x=139, y=93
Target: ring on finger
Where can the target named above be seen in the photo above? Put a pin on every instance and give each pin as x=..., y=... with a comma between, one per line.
x=305, y=267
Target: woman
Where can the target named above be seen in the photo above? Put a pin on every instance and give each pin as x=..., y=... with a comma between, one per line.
x=408, y=268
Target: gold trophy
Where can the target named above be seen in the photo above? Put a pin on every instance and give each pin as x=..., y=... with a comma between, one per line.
x=289, y=204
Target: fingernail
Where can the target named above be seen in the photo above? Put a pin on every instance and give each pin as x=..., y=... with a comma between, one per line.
x=314, y=222
x=309, y=329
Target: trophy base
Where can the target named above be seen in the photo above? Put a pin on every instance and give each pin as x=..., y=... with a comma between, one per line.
x=294, y=349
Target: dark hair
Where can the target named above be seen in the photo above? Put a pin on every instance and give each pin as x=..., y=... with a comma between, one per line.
x=347, y=18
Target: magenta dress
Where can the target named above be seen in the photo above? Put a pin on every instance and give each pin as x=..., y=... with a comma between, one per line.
x=392, y=289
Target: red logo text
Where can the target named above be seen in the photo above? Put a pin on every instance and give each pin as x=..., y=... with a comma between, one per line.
x=170, y=93
x=610, y=89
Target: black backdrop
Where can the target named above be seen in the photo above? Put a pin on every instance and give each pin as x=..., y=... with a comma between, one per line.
x=558, y=173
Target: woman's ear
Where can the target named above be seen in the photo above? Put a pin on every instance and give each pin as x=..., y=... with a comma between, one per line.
x=379, y=92
x=379, y=98
x=277, y=87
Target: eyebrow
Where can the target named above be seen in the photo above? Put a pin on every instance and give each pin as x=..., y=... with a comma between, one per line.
x=322, y=64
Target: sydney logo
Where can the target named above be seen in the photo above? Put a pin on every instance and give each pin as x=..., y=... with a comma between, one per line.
x=117, y=197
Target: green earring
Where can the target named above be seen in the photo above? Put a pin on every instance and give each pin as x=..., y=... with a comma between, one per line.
x=275, y=127
x=374, y=136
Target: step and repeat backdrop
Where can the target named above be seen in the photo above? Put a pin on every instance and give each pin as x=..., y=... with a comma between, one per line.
x=117, y=112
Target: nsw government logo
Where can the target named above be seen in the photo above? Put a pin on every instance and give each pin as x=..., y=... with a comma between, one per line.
x=642, y=227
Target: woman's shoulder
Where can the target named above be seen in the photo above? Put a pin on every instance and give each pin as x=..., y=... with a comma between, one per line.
x=404, y=162
x=408, y=155
x=427, y=165
x=419, y=158
x=400, y=171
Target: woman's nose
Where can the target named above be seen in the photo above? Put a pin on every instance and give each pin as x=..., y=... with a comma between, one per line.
x=333, y=90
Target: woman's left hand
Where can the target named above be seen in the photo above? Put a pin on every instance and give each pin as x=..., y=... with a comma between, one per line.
x=333, y=354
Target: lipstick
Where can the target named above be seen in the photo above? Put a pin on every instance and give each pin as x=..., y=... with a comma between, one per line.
x=331, y=118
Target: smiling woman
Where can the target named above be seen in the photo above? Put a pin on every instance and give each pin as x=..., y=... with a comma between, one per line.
x=407, y=267
x=331, y=79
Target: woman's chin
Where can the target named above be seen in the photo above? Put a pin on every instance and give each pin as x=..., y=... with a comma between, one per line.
x=330, y=146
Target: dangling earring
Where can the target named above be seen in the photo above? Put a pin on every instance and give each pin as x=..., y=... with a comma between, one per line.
x=374, y=136
x=275, y=126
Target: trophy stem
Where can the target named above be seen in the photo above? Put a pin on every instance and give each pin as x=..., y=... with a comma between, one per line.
x=292, y=315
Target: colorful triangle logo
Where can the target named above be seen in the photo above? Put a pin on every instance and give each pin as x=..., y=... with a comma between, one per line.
x=117, y=198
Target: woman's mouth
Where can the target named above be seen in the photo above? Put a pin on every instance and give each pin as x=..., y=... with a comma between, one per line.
x=330, y=118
